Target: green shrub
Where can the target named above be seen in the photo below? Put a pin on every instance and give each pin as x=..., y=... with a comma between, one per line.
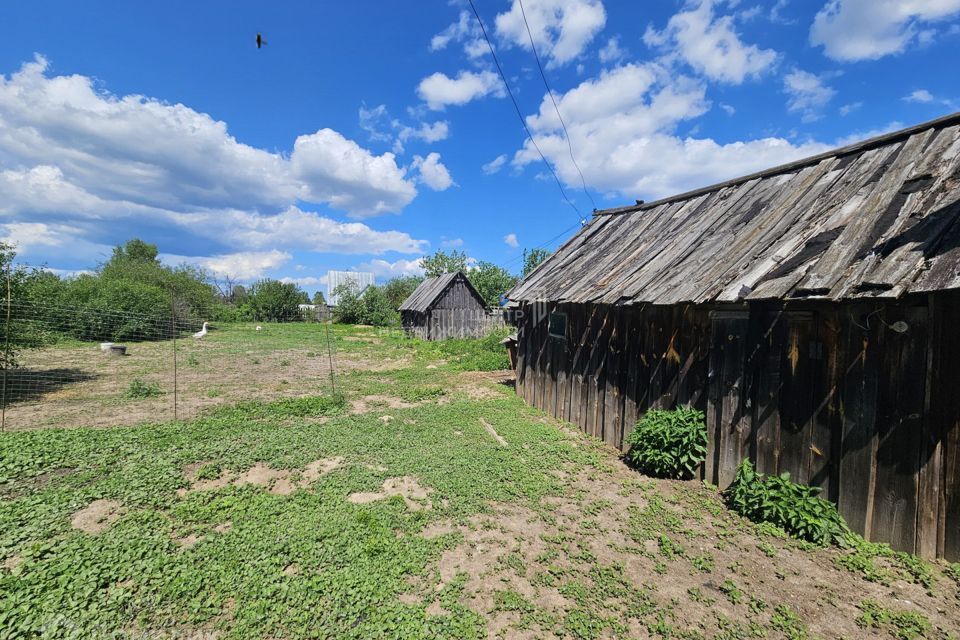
x=140, y=389
x=793, y=507
x=669, y=444
x=475, y=354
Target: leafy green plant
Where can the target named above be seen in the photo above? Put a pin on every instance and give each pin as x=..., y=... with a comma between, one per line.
x=795, y=508
x=669, y=444
x=209, y=471
x=140, y=389
x=901, y=624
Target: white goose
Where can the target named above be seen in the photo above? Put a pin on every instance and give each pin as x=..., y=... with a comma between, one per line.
x=202, y=332
x=259, y=328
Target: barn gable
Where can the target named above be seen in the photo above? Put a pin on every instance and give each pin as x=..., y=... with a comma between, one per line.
x=872, y=220
x=446, y=291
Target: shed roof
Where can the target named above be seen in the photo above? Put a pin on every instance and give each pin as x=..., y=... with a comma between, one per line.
x=431, y=289
x=874, y=219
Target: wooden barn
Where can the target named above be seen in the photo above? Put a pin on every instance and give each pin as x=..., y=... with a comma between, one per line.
x=446, y=306
x=810, y=310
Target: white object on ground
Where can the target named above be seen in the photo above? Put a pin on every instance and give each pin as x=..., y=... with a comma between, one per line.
x=259, y=328
x=202, y=332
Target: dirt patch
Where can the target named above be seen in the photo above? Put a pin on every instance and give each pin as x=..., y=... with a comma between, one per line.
x=223, y=527
x=12, y=562
x=366, y=404
x=189, y=541
x=97, y=516
x=277, y=481
x=414, y=495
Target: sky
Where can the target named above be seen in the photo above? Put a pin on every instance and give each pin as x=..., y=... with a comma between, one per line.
x=367, y=134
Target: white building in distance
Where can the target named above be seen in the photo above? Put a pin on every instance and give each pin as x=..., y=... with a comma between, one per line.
x=362, y=280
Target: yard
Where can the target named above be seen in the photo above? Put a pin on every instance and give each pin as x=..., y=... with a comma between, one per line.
x=426, y=501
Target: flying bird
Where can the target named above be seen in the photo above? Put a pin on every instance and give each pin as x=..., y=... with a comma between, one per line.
x=260, y=40
x=202, y=332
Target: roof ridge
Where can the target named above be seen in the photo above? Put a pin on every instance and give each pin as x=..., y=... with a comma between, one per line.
x=857, y=147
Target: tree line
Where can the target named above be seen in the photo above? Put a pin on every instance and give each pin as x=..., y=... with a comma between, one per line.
x=134, y=296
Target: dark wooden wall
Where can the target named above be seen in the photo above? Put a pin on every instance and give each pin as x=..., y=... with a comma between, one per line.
x=456, y=313
x=833, y=394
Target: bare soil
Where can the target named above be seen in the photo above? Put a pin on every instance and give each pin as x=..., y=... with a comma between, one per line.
x=97, y=516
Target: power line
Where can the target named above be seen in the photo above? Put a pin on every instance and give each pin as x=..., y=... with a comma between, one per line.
x=542, y=245
x=523, y=121
x=546, y=84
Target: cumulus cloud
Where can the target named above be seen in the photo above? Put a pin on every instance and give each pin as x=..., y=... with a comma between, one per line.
x=623, y=126
x=850, y=30
x=432, y=172
x=511, y=240
x=385, y=269
x=611, y=52
x=561, y=29
x=439, y=90
x=381, y=127
x=451, y=243
x=494, y=165
x=243, y=266
x=80, y=164
x=465, y=30
x=807, y=94
x=711, y=45
x=340, y=172
x=920, y=95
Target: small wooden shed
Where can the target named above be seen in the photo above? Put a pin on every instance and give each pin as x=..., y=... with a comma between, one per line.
x=446, y=306
x=810, y=312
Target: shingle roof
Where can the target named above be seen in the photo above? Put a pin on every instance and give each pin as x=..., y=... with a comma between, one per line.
x=428, y=291
x=875, y=219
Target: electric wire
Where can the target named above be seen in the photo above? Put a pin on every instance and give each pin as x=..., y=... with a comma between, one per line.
x=556, y=108
x=523, y=121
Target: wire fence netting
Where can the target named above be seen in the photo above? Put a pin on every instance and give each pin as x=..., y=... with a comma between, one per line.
x=67, y=366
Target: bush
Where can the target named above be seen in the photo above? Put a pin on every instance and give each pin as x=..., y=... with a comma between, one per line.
x=140, y=389
x=371, y=307
x=669, y=444
x=795, y=508
x=476, y=354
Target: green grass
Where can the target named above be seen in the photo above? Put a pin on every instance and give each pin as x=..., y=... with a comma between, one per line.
x=135, y=575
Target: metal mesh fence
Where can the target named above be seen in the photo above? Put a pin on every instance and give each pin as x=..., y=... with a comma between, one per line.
x=81, y=366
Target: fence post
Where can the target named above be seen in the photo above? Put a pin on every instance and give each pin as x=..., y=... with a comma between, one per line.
x=173, y=331
x=333, y=384
x=6, y=357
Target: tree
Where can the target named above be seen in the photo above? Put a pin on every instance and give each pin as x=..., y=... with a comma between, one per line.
x=135, y=250
x=490, y=281
x=532, y=259
x=275, y=301
x=25, y=330
x=318, y=298
x=372, y=307
x=442, y=262
x=399, y=289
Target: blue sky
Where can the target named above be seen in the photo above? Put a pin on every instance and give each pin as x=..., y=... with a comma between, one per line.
x=367, y=134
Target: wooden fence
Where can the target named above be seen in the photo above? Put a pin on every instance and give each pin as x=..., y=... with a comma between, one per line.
x=444, y=324
x=855, y=398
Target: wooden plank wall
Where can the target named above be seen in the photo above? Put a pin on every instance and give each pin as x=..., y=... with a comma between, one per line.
x=854, y=398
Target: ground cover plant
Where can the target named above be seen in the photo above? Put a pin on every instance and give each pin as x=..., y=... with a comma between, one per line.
x=418, y=501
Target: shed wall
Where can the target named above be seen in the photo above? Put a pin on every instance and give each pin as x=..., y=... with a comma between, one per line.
x=832, y=393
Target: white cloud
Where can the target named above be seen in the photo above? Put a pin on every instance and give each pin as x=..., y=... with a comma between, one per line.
x=439, y=90
x=920, y=95
x=511, y=240
x=385, y=270
x=728, y=109
x=37, y=239
x=153, y=154
x=297, y=229
x=847, y=109
x=382, y=128
x=806, y=93
x=451, y=243
x=611, y=52
x=850, y=30
x=313, y=282
x=561, y=29
x=464, y=30
x=345, y=175
x=622, y=126
x=711, y=45
x=494, y=165
x=244, y=266
x=432, y=172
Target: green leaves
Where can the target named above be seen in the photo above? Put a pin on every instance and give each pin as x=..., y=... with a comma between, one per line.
x=669, y=444
x=793, y=507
